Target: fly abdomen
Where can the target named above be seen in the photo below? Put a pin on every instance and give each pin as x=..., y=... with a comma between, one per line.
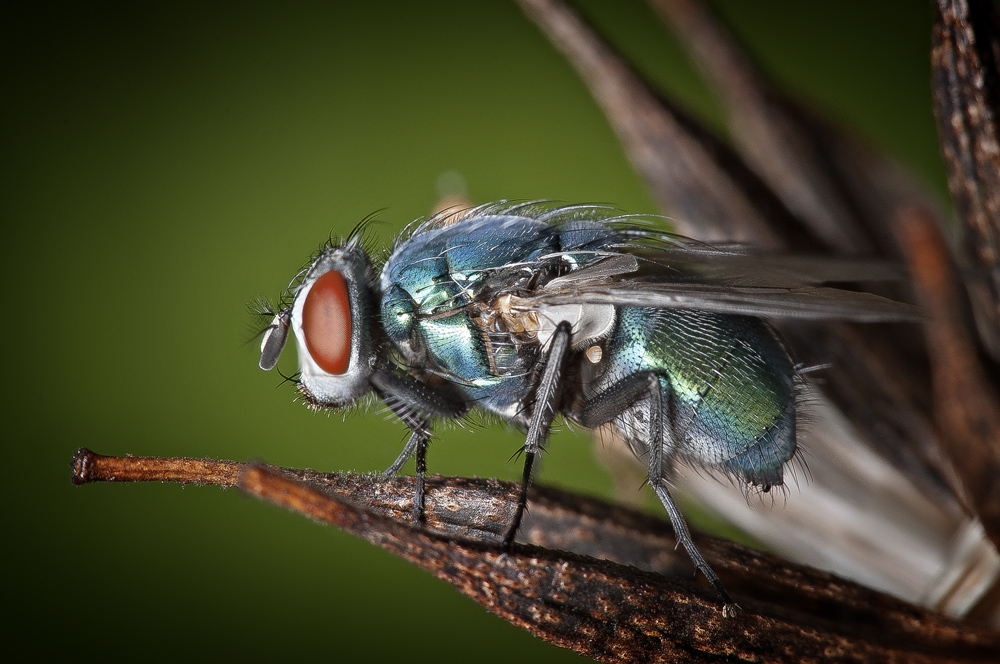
x=727, y=384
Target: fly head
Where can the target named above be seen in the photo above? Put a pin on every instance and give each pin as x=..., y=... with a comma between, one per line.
x=331, y=315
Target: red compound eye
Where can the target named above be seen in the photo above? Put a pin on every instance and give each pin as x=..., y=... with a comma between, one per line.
x=326, y=323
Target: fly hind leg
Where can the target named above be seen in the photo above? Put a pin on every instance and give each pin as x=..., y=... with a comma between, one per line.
x=618, y=398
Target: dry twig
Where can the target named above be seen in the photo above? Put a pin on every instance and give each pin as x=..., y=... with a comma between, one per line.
x=603, y=608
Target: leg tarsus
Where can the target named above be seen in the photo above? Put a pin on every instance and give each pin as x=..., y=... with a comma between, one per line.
x=522, y=503
x=683, y=536
x=418, y=499
x=408, y=451
x=415, y=446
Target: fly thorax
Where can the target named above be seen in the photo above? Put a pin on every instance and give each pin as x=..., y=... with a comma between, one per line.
x=398, y=319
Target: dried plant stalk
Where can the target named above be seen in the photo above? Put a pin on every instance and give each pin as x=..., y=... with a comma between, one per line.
x=966, y=59
x=601, y=608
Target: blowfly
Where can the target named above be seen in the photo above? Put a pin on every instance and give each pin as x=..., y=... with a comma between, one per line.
x=528, y=310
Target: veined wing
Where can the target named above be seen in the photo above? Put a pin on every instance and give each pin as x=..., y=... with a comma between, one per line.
x=809, y=302
x=729, y=280
x=736, y=265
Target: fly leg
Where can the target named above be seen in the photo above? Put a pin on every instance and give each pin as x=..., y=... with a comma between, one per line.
x=416, y=445
x=541, y=419
x=618, y=398
x=410, y=399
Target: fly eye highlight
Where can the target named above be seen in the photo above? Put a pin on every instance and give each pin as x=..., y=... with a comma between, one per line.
x=326, y=323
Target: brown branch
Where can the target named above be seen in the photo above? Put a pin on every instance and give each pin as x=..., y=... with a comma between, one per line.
x=966, y=68
x=834, y=183
x=697, y=178
x=967, y=404
x=605, y=609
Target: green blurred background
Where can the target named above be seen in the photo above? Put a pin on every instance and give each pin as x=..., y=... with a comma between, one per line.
x=165, y=163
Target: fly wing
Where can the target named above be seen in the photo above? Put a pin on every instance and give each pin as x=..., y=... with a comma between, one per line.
x=667, y=271
x=809, y=302
x=735, y=265
x=676, y=273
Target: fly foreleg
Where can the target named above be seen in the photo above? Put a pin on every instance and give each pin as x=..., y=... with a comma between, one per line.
x=413, y=402
x=544, y=411
x=618, y=398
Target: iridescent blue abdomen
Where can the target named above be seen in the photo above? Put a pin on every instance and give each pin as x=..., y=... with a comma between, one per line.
x=728, y=385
